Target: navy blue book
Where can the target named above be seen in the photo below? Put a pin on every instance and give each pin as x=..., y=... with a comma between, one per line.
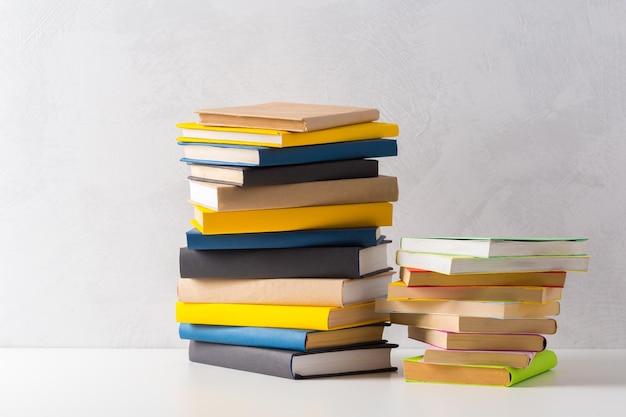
x=290, y=339
x=363, y=236
x=227, y=154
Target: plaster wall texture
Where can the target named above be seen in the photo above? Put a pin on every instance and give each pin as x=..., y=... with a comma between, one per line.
x=512, y=120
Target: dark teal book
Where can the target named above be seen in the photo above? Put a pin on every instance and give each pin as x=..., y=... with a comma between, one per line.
x=226, y=154
x=364, y=237
x=289, y=339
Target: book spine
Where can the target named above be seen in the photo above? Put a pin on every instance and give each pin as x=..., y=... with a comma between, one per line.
x=273, y=362
x=271, y=291
x=314, y=262
x=285, y=317
x=363, y=237
x=265, y=337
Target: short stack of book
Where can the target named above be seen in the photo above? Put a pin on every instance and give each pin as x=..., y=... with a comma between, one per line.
x=482, y=305
x=286, y=256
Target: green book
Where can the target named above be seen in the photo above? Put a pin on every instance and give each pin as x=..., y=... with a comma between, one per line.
x=417, y=371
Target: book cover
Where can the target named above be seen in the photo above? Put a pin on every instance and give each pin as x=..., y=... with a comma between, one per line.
x=298, y=117
x=513, y=359
x=478, y=341
x=415, y=370
x=336, y=292
x=311, y=262
x=297, y=218
x=281, y=316
x=198, y=133
x=247, y=176
x=225, y=154
x=485, y=247
x=289, y=339
x=294, y=364
x=400, y=291
x=469, y=308
x=224, y=197
x=422, y=277
x=453, y=264
x=357, y=236
x=458, y=323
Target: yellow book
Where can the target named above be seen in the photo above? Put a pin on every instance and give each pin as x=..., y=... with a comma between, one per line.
x=279, y=316
x=197, y=133
x=210, y=222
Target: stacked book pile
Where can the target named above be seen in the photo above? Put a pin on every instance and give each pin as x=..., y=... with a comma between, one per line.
x=483, y=306
x=286, y=256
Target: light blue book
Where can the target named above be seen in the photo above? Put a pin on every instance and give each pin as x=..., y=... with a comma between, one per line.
x=288, y=339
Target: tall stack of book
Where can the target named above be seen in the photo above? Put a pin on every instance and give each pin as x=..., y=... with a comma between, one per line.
x=483, y=306
x=286, y=256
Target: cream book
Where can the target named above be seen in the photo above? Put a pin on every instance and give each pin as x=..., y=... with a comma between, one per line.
x=295, y=117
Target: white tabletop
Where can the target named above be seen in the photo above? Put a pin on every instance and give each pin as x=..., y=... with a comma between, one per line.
x=162, y=382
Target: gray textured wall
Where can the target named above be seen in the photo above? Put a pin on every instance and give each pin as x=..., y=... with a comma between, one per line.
x=512, y=118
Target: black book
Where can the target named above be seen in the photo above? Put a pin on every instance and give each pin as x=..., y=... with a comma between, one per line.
x=305, y=262
x=245, y=176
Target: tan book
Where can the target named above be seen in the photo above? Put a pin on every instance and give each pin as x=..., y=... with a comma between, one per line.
x=400, y=291
x=469, y=308
x=513, y=359
x=337, y=292
x=478, y=341
x=224, y=197
x=456, y=323
x=421, y=277
x=294, y=117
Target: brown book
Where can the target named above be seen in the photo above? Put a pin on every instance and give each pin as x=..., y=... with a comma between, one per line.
x=513, y=359
x=469, y=308
x=224, y=197
x=456, y=323
x=399, y=290
x=478, y=341
x=294, y=117
x=421, y=277
x=337, y=292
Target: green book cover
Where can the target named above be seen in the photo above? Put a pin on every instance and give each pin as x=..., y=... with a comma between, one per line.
x=542, y=362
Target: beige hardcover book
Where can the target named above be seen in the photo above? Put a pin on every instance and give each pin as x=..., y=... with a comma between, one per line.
x=469, y=308
x=421, y=277
x=224, y=197
x=400, y=291
x=456, y=323
x=294, y=117
x=337, y=292
x=478, y=341
x=513, y=359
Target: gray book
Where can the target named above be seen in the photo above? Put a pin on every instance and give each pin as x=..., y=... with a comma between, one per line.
x=294, y=364
x=305, y=262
